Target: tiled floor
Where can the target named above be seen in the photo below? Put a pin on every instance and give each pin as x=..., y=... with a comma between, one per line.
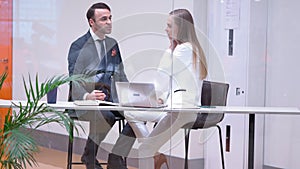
x=53, y=159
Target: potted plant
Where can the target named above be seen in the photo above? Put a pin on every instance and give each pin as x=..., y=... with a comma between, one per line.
x=17, y=147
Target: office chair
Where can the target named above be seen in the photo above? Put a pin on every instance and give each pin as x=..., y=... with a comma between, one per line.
x=213, y=94
x=72, y=114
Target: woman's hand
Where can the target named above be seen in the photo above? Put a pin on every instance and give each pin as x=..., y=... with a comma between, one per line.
x=160, y=101
x=173, y=44
x=96, y=95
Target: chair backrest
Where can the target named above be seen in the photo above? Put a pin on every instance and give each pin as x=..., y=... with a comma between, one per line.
x=213, y=94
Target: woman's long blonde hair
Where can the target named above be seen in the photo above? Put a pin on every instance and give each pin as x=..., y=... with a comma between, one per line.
x=186, y=33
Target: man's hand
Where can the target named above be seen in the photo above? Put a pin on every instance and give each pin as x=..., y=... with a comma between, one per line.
x=96, y=95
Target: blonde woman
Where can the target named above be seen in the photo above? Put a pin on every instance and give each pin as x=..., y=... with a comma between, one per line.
x=185, y=62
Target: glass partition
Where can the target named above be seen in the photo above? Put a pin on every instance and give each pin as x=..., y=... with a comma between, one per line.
x=250, y=45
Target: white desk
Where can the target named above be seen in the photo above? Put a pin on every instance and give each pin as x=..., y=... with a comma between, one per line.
x=251, y=111
x=217, y=109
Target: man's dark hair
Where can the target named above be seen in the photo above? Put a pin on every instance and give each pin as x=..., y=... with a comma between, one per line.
x=91, y=11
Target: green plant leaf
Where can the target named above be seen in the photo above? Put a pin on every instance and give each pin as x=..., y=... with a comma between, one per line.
x=3, y=76
x=18, y=147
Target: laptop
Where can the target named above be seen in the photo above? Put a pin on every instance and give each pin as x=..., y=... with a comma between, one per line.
x=135, y=94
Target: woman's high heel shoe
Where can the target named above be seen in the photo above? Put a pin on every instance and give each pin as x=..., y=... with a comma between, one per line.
x=159, y=160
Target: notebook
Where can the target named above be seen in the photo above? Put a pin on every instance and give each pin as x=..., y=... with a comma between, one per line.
x=94, y=103
x=137, y=95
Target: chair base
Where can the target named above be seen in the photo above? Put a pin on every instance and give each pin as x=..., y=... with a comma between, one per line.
x=187, y=138
x=70, y=145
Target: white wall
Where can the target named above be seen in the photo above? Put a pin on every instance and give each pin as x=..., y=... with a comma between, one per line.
x=282, y=139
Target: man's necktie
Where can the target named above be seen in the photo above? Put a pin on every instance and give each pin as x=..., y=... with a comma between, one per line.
x=102, y=49
x=101, y=53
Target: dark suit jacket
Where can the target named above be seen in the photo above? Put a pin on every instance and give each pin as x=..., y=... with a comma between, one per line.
x=83, y=58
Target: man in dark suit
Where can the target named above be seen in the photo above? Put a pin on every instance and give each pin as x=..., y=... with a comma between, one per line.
x=98, y=56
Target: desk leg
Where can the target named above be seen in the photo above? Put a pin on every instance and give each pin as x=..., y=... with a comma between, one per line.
x=251, y=141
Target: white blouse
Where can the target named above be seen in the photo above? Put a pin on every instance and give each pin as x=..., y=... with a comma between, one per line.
x=184, y=76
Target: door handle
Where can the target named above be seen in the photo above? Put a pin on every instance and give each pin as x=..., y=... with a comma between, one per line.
x=5, y=60
x=238, y=91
